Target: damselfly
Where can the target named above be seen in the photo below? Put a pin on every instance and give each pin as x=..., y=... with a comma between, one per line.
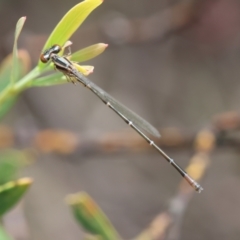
x=69, y=69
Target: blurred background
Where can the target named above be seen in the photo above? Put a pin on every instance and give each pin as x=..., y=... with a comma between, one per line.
x=175, y=63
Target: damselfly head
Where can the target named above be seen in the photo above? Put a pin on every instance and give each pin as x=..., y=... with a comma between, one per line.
x=45, y=56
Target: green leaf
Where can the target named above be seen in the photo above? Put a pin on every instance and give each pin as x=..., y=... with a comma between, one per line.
x=70, y=23
x=5, y=77
x=91, y=217
x=15, y=66
x=10, y=163
x=7, y=105
x=11, y=193
x=4, y=235
x=88, y=52
x=5, y=72
x=6, y=67
x=50, y=80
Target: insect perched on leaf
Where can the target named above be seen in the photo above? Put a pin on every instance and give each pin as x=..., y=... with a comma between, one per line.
x=73, y=73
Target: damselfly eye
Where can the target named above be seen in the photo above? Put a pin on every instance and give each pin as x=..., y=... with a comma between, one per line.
x=56, y=48
x=44, y=58
x=46, y=55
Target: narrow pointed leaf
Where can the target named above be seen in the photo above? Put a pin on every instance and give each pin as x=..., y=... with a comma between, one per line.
x=12, y=192
x=15, y=66
x=70, y=23
x=50, y=80
x=23, y=62
x=5, y=72
x=88, y=52
x=91, y=217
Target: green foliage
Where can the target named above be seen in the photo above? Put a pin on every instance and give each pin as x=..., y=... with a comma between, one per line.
x=10, y=163
x=91, y=217
x=6, y=106
x=6, y=73
x=4, y=235
x=11, y=81
x=49, y=80
x=12, y=192
x=88, y=52
x=70, y=23
x=15, y=72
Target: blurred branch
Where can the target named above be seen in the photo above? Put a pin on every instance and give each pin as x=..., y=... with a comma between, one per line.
x=219, y=132
x=166, y=225
x=224, y=129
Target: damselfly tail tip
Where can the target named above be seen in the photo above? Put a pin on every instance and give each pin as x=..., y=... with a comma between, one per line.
x=193, y=183
x=198, y=188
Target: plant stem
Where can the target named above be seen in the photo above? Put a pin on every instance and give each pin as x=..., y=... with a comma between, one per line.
x=19, y=86
x=26, y=81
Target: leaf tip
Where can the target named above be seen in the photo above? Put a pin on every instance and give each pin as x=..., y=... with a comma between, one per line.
x=25, y=181
x=23, y=18
x=72, y=199
x=90, y=72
